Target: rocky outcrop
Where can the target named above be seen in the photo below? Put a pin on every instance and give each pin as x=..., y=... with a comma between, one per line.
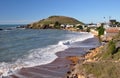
x=1, y=29
x=22, y=26
x=76, y=70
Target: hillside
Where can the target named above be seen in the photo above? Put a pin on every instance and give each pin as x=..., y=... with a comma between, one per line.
x=51, y=21
x=101, y=62
x=60, y=19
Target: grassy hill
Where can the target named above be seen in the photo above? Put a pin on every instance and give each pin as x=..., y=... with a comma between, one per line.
x=52, y=20
x=60, y=19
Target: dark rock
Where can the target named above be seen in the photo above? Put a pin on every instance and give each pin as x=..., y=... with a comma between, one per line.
x=1, y=29
x=22, y=26
x=69, y=72
x=92, y=48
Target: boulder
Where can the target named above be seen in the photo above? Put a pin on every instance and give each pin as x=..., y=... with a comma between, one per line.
x=1, y=29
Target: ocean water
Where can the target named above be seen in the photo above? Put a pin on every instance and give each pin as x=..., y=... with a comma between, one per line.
x=31, y=47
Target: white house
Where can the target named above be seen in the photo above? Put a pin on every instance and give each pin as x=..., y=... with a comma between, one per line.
x=69, y=26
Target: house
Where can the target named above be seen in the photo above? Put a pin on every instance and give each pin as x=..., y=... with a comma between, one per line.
x=63, y=26
x=80, y=25
x=92, y=25
x=69, y=26
x=99, y=24
x=111, y=32
x=114, y=23
x=51, y=25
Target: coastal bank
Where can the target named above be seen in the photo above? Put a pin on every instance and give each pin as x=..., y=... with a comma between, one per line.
x=100, y=62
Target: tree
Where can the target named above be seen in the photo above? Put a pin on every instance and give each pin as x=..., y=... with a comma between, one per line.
x=57, y=25
x=88, y=29
x=101, y=30
x=80, y=27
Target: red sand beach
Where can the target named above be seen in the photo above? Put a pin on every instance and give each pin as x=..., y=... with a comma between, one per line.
x=59, y=67
x=56, y=69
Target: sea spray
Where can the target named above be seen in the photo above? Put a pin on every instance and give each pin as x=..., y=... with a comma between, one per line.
x=42, y=55
x=35, y=57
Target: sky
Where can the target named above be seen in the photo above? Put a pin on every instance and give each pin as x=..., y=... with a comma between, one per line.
x=87, y=11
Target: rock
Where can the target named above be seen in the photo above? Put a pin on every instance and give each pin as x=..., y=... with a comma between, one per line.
x=1, y=29
x=22, y=26
x=74, y=59
x=81, y=76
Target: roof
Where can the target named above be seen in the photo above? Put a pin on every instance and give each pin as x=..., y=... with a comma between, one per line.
x=112, y=30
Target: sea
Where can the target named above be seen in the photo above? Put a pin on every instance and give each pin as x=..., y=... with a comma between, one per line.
x=20, y=47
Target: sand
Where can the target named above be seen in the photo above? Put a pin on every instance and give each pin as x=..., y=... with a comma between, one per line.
x=59, y=68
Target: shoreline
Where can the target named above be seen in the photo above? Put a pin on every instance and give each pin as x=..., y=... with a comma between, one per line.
x=55, y=59
x=57, y=69
x=9, y=72
x=74, y=72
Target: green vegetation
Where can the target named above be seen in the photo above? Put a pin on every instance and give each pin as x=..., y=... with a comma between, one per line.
x=109, y=50
x=57, y=25
x=88, y=29
x=54, y=22
x=61, y=20
x=101, y=30
x=108, y=65
x=103, y=69
x=80, y=27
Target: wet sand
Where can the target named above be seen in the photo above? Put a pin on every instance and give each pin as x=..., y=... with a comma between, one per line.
x=57, y=69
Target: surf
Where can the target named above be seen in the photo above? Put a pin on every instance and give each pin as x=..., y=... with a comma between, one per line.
x=44, y=55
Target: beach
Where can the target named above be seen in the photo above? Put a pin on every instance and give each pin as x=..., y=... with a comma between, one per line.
x=58, y=68
x=31, y=53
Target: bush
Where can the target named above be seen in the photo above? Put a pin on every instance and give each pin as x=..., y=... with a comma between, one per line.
x=57, y=25
x=80, y=27
x=109, y=51
x=88, y=29
x=101, y=30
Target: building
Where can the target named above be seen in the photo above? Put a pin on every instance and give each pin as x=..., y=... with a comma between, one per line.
x=111, y=32
x=92, y=25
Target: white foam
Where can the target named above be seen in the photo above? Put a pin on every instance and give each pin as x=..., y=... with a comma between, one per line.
x=35, y=57
x=64, y=43
x=76, y=37
x=41, y=56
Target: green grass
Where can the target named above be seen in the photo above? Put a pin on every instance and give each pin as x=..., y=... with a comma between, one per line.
x=109, y=51
x=53, y=20
x=63, y=20
x=102, y=69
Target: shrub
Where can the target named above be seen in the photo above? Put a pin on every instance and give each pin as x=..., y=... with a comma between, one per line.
x=109, y=51
x=101, y=30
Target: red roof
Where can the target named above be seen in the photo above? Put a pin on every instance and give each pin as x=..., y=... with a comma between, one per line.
x=112, y=30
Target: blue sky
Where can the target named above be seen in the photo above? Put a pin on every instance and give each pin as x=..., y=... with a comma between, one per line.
x=87, y=11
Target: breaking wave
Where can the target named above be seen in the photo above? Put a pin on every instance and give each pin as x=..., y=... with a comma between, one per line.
x=41, y=56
